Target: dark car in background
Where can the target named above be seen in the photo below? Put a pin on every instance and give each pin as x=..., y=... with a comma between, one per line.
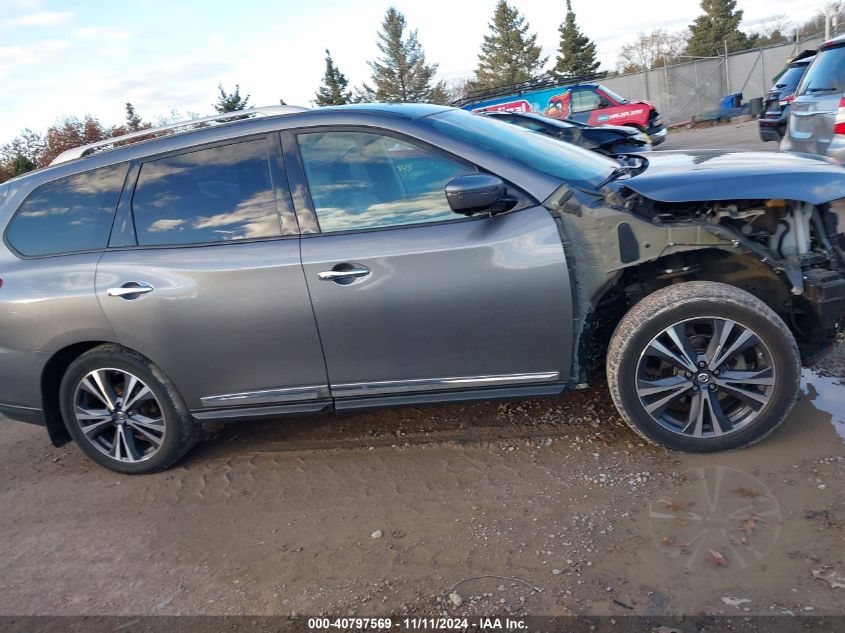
x=772, y=122
x=604, y=139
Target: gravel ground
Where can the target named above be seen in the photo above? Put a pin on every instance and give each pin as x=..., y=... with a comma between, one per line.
x=546, y=507
x=740, y=135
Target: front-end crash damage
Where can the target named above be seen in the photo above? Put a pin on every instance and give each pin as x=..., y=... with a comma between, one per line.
x=623, y=245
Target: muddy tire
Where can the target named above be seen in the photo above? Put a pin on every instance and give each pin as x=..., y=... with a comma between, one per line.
x=124, y=413
x=703, y=367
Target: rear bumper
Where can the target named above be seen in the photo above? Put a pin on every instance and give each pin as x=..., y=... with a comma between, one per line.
x=772, y=129
x=657, y=134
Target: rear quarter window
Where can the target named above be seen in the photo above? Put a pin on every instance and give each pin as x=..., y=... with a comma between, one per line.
x=68, y=215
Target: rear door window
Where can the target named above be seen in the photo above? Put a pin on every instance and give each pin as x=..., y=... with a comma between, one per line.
x=68, y=215
x=217, y=194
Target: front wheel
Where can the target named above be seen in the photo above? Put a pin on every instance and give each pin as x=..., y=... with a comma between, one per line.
x=703, y=367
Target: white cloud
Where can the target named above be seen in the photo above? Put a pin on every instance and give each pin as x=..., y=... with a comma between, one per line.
x=160, y=65
x=41, y=18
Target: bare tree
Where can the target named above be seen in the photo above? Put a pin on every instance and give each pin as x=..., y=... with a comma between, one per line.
x=778, y=23
x=652, y=50
x=815, y=25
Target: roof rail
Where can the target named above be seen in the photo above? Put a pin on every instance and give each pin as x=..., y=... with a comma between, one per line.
x=172, y=128
x=537, y=83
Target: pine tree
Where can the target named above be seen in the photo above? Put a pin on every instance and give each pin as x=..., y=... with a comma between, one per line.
x=133, y=121
x=335, y=90
x=509, y=54
x=21, y=164
x=401, y=74
x=577, y=53
x=230, y=102
x=717, y=26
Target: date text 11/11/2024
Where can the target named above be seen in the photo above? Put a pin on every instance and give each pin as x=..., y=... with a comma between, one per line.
x=417, y=624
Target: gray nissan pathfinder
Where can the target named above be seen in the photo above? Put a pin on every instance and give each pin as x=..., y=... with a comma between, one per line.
x=282, y=261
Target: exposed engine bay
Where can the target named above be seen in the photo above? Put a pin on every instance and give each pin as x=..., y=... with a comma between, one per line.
x=789, y=253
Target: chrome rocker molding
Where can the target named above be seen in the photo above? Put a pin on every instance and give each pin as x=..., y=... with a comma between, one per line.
x=357, y=389
x=267, y=396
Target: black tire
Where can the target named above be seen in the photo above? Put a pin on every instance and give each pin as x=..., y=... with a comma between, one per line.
x=688, y=305
x=179, y=431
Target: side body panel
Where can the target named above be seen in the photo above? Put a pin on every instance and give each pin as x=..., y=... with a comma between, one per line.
x=47, y=304
x=484, y=297
x=222, y=319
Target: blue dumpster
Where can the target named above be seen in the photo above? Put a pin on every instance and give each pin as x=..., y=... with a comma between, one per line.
x=729, y=104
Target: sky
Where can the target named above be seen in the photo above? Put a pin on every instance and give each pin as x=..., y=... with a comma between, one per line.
x=63, y=58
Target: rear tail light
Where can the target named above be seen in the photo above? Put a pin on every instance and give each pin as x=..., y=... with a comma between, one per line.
x=839, y=123
x=786, y=100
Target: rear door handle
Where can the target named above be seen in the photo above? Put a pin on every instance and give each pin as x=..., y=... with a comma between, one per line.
x=128, y=289
x=340, y=275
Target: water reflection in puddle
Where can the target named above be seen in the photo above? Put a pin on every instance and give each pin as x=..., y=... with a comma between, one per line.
x=826, y=394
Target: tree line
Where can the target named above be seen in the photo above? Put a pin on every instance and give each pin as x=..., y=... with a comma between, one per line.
x=509, y=54
x=715, y=32
x=30, y=150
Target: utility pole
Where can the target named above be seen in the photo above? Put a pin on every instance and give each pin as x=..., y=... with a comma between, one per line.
x=827, y=23
x=727, y=71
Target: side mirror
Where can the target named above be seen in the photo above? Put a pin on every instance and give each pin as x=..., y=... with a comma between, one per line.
x=478, y=193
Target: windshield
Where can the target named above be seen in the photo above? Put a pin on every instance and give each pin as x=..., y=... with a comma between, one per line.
x=613, y=95
x=826, y=73
x=553, y=157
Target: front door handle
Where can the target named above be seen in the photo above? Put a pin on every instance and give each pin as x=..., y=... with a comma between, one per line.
x=344, y=274
x=129, y=289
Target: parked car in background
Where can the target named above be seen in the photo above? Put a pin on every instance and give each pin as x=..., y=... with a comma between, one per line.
x=773, y=120
x=369, y=256
x=604, y=139
x=591, y=103
x=817, y=113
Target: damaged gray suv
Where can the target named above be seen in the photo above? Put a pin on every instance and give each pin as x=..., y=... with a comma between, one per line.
x=285, y=261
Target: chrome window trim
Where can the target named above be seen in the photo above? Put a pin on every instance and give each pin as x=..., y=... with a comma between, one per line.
x=353, y=389
x=267, y=396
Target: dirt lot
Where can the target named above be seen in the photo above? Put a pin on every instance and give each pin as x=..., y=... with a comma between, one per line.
x=741, y=135
x=541, y=507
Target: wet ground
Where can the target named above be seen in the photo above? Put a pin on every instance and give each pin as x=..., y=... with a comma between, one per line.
x=541, y=507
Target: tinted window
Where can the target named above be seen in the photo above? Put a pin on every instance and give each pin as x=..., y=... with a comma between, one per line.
x=68, y=215
x=826, y=73
x=210, y=195
x=360, y=180
x=528, y=124
x=791, y=77
x=536, y=151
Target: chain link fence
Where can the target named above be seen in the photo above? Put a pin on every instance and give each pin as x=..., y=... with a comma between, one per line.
x=683, y=91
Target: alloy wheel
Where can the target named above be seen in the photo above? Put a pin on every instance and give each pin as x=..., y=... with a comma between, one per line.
x=119, y=415
x=705, y=377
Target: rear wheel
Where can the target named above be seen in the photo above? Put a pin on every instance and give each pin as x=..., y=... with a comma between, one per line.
x=702, y=367
x=124, y=413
